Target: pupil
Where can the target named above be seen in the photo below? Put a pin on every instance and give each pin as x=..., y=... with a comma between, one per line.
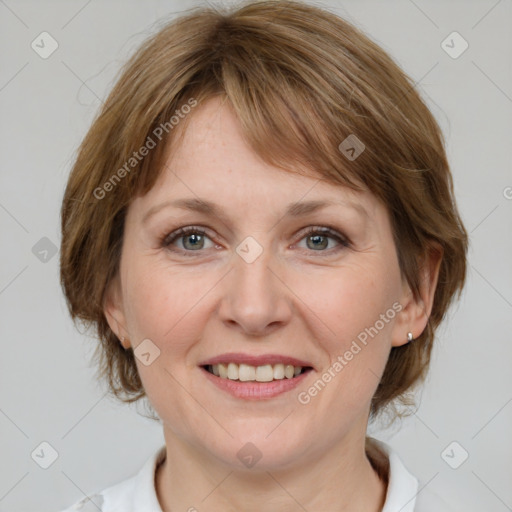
x=316, y=238
x=194, y=236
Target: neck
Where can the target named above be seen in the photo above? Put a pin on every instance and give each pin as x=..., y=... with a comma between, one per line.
x=342, y=480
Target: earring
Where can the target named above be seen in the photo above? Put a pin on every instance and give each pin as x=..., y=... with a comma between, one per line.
x=409, y=337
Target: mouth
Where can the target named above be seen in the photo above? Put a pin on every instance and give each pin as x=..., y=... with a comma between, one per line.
x=267, y=377
x=249, y=373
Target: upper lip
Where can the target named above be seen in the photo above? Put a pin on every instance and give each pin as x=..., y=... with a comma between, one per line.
x=254, y=360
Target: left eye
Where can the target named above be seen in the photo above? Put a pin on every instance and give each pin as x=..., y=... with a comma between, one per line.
x=193, y=239
x=319, y=238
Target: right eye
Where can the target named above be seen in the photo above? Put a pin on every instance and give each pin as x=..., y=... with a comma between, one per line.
x=192, y=239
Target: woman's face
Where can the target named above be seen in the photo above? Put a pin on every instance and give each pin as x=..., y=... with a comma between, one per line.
x=257, y=283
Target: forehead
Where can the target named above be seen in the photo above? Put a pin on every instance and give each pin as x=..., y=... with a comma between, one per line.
x=210, y=159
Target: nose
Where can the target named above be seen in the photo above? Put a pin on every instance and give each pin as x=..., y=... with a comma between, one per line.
x=255, y=299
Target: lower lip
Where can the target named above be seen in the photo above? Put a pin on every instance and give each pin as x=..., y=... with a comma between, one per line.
x=255, y=390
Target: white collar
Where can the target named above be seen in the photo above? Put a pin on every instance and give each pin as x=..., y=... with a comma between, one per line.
x=402, y=485
x=138, y=493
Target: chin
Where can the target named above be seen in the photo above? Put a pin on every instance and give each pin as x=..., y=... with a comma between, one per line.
x=267, y=448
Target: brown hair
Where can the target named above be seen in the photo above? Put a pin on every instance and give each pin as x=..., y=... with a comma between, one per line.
x=301, y=80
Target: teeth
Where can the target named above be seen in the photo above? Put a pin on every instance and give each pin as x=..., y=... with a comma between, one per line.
x=264, y=373
x=288, y=371
x=246, y=372
x=232, y=371
x=278, y=371
x=223, y=370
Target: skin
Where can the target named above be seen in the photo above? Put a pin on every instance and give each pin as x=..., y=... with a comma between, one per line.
x=299, y=298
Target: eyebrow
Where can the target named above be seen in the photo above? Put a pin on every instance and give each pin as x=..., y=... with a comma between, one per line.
x=297, y=209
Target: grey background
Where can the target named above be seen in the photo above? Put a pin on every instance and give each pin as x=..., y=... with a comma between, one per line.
x=47, y=389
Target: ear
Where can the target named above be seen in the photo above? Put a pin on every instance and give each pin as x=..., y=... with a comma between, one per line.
x=416, y=311
x=114, y=311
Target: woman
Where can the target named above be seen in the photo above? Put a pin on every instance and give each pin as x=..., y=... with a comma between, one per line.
x=261, y=226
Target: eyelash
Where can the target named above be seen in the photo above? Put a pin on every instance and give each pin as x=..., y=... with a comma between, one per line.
x=169, y=238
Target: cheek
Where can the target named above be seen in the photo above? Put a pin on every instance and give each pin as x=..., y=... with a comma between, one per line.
x=357, y=308
x=354, y=298
x=164, y=306
x=161, y=299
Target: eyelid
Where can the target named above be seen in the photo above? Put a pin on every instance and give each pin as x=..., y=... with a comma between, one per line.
x=170, y=236
x=324, y=230
x=185, y=230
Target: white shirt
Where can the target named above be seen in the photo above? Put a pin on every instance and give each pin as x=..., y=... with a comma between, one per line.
x=138, y=493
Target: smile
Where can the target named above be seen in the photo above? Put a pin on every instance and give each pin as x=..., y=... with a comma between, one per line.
x=249, y=373
x=255, y=377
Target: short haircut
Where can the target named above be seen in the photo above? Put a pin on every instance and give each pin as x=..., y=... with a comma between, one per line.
x=301, y=80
